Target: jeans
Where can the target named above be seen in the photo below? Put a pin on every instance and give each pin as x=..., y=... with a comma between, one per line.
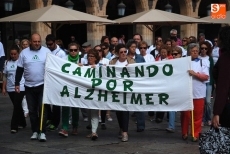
x=34, y=100
x=140, y=120
x=208, y=105
x=18, y=118
x=171, y=123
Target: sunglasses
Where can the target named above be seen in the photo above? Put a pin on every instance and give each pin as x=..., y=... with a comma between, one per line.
x=175, y=54
x=204, y=48
x=103, y=48
x=143, y=48
x=99, y=50
x=123, y=52
x=73, y=50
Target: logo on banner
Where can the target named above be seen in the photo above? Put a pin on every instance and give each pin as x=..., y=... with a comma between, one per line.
x=218, y=11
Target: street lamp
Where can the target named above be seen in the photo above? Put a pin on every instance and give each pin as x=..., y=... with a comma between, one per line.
x=121, y=9
x=69, y=4
x=8, y=5
x=209, y=10
x=168, y=7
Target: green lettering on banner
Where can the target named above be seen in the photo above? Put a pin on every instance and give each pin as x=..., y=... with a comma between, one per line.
x=111, y=72
x=96, y=82
x=100, y=72
x=76, y=93
x=115, y=97
x=100, y=95
x=89, y=73
x=148, y=99
x=64, y=91
x=124, y=98
x=108, y=87
x=63, y=68
x=139, y=72
x=162, y=98
x=90, y=91
x=77, y=71
x=170, y=72
x=125, y=72
x=127, y=85
x=152, y=74
x=136, y=100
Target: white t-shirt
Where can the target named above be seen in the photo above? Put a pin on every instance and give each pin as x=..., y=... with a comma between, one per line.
x=199, y=87
x=59, y=52
x=2, y=52
x=10, y=72
x=215, y=54
x=33, y=63
x=104, y=61
x=121, y=63
x=149, y=58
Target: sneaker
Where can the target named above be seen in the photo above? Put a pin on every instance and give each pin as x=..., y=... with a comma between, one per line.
x=99, y=119
x=170, y=130
x=13, y=131
x=109, y=117
x=42, y=137
x=34, y=136
x=52, y=128
x=85, y=119
x=63, y=133
x=103, y=127
x=74, y=132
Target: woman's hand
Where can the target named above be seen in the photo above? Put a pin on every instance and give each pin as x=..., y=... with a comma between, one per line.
x=215, y=121
x=80, y=64
x=191, y=73
x=4, y=92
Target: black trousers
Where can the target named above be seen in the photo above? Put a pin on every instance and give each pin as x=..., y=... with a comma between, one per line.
x=18, y=118
x=225, y=116
x=34, y=100
x=54, y=114
x=123, y=120
x=103, y=116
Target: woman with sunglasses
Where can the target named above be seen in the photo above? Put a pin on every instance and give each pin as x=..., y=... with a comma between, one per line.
x=205, y=55
x=93, y=61
x=143, y=46
x=122, y=116
x=8, y=85
x=74, y=57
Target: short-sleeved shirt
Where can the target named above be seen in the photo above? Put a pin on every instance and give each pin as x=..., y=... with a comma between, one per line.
x=33, y=63
x=59, y=52
x=10, y=71
x=199, y=87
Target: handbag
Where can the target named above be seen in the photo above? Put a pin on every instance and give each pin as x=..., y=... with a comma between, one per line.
x=215, y=141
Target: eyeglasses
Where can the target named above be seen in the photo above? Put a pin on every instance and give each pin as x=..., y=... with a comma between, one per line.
x=73, y=50
x=143, y=48
x=99, y=50
x=49, y=44
x=91, y=56
x=204, y=48
x=175, y=54
x=103, y=48
x=125, y=51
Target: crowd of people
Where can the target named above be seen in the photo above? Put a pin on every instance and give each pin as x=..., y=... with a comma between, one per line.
x=23, y=75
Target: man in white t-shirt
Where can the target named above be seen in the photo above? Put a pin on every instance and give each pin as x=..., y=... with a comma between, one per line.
x=31, y=62
x=53, y=116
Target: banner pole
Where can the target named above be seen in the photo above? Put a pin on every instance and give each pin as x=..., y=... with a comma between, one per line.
x=192, y=123
x=41, y=122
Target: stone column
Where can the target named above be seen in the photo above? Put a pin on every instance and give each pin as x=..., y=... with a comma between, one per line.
x=39, y=28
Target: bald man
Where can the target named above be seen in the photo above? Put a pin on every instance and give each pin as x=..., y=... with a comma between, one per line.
x=31, y=62
x=114, y=41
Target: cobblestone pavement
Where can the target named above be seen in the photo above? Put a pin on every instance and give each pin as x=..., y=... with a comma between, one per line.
x=154, y=140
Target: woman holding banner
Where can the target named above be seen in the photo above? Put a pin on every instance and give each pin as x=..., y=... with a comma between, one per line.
x=122, y=116
x=200, y=73
x=74, y=57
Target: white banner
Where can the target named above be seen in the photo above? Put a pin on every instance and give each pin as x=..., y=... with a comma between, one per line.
x=158, y=86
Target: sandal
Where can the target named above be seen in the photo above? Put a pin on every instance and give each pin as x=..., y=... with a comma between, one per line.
x=94, y=136
x=185, y=137
x=194, y=139
x=109, y=118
